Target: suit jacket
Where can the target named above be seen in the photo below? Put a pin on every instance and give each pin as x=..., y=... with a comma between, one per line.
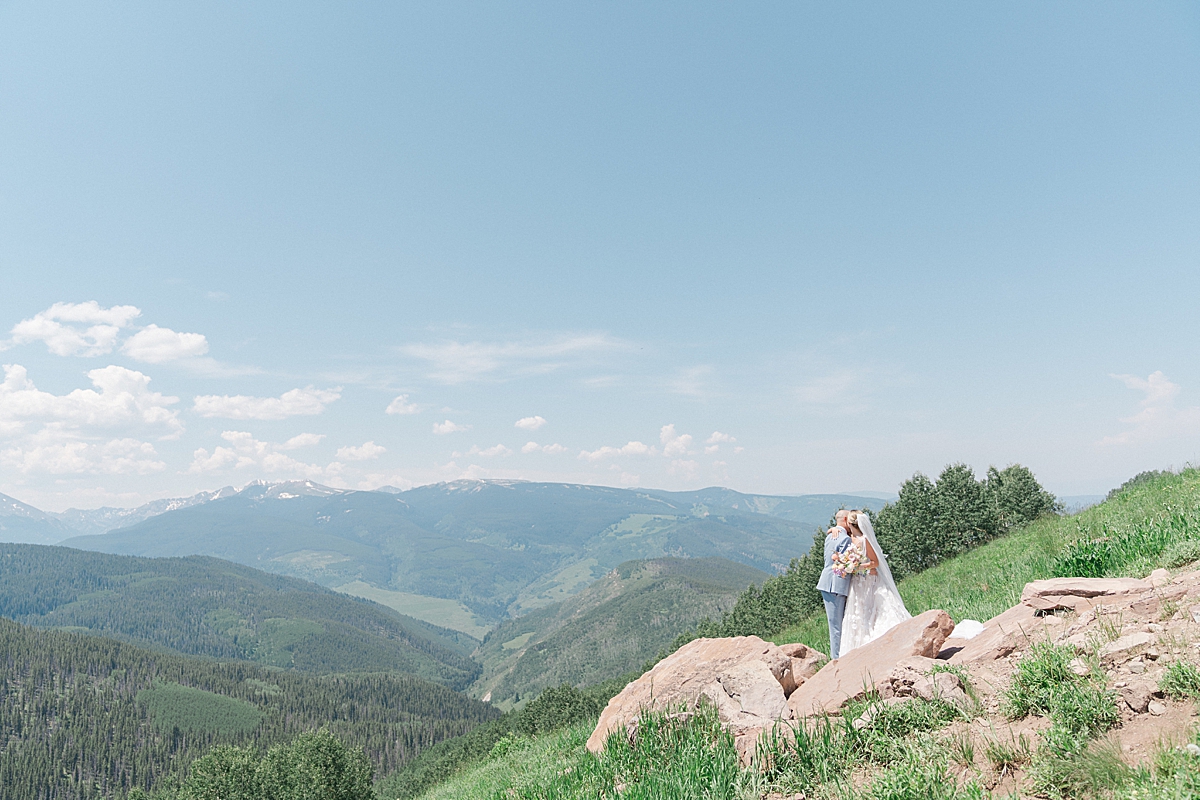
x=837, y=543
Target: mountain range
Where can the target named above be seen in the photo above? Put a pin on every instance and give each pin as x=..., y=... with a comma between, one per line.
x=463, y=555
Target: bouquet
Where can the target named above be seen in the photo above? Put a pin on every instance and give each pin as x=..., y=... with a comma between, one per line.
x=846, y=564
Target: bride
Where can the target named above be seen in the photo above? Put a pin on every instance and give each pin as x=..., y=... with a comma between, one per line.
x=874, y=606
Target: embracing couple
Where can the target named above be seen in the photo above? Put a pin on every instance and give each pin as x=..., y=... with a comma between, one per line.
x=861, y=599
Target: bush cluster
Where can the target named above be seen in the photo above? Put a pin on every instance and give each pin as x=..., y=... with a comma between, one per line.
x=313, y=766
x=931, y=522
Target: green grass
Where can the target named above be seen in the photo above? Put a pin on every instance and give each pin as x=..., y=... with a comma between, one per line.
x=1181, y=679
x=193, y=710
x=1153, y=524
x=436, y=610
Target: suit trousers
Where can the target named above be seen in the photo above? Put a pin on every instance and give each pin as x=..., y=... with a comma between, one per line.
x=835, y=610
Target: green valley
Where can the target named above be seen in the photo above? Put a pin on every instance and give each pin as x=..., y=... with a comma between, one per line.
x=613, y=626
x=206, y=607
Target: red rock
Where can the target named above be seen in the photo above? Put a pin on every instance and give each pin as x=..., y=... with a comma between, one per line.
x=741, y=676
x=857, y=672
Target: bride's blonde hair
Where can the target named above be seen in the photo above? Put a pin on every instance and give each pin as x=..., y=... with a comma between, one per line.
x=852, y=519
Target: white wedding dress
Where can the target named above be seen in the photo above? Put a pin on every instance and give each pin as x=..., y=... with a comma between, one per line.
x=874, y=606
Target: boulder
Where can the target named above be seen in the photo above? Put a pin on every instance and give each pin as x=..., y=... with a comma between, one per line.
x=857, y=672
x=1001, y=635
x=1137, y=695
x=742, y=676
x=1062, y=588
x=1159, y=577
x=806, y=662
x=1127, y=646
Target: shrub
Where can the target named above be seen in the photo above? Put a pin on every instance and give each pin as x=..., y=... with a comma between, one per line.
x=1180, y=553
x=313, y=766
x=557, y=708
x=921, y=779
x=1181, y=679
x=1044, y=685
x=1138, y=480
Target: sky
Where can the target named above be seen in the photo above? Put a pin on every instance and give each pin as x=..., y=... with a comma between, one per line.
x=784, y=248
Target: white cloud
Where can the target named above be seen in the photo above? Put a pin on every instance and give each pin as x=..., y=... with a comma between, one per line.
x=690, y=381
x=844, y=391
x=302, y=440
x=489, y=452
x=719, y=438
x=295, y=403
x=442, y=428
x=365, y=452
x=712, y=448
x=552, y=449
x=75, y=329
x=674, y=444
x=156, y=345
x=115, y=457
x=630, y=449
x=684, y=467
x=457, y=362
x=247, y=453
x=1159, y=417
x=401, y=406
x=124, y=400
x=530, y=423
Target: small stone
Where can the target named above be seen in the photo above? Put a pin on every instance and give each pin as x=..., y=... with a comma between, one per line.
x=1121, y=684
x=1152, y=654
x=1079, y=667
x=1156, y=708
x=1137, y=667
x=1155, y=627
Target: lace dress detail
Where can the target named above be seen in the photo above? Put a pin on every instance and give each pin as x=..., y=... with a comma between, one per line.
x=872, y=609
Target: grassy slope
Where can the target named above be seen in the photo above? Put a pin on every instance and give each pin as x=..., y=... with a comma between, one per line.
x=984, y=582
x=205, y=607
x=610, y=628
x=1138, y=530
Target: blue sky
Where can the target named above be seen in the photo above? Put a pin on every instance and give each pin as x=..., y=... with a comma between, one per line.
x=836, y=244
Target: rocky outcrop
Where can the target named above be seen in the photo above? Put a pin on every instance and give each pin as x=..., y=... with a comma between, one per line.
x=857, y=672
x=742, y=676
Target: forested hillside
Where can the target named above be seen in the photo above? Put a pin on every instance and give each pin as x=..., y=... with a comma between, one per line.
x=90, y=717
x=207, y=607
x=610, y=628
x=488, y=549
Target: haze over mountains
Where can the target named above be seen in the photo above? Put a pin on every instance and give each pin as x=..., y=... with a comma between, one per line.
x=463, y=555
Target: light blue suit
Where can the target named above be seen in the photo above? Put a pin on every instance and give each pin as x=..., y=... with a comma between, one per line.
x=834, y=588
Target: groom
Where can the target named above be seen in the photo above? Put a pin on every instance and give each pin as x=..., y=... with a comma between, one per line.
x=832, y=588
